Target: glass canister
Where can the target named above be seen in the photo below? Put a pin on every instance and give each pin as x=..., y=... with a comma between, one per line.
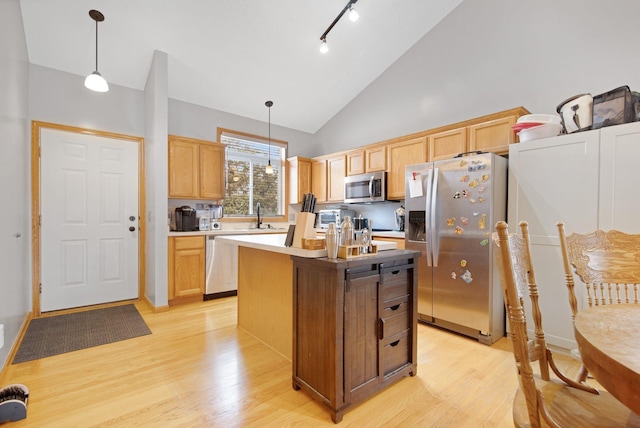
x=332, y=241
x=346, y=231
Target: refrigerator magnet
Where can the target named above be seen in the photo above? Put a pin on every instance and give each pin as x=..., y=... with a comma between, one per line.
x=466, y=277
x=481, y=222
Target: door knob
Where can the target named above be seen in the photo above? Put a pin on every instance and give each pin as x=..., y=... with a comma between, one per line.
x=132, y=229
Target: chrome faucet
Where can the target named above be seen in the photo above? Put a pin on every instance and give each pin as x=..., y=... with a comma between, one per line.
x=259, y=220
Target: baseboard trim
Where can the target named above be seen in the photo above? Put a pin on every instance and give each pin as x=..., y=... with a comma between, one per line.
x=155, y=309
x=15, y=346
x=219, y=295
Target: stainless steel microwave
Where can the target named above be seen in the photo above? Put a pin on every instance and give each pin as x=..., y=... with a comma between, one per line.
x=361, y=188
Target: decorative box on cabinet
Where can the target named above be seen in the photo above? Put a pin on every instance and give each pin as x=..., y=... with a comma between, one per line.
x=196, y=169
x=186, y=268
x=354, y=326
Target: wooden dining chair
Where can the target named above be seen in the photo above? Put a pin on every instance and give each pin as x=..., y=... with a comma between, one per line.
x=608, y=265
x=538, y=401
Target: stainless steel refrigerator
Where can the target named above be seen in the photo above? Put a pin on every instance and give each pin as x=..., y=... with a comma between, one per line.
x=451, y=208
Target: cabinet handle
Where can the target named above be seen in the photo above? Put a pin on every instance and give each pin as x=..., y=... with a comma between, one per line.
x=395, y=272
x=381, y=329
x=394, y=344
x=395, y=307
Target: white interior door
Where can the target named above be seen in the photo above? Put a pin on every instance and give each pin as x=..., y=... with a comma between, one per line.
x=89, y=202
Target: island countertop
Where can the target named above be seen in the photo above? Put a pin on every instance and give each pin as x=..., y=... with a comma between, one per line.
x=275, y=243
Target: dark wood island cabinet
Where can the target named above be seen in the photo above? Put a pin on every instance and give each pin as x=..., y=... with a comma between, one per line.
x=354, y=326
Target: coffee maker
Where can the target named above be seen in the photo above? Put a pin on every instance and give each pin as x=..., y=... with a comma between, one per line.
x=185, y=219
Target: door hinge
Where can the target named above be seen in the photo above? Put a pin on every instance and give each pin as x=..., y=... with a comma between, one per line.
x=40, y=288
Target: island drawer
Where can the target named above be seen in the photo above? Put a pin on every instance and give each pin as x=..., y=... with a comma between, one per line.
x=395, y=319
x=396, y=353
x=395, y=284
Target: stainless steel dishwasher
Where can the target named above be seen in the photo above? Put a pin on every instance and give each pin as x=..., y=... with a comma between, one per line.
x=221, y=269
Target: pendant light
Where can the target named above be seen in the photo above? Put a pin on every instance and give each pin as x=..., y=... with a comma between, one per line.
x=269, y=169
x=95, y=81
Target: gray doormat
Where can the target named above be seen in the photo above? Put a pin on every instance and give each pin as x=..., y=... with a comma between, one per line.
x=70, y=332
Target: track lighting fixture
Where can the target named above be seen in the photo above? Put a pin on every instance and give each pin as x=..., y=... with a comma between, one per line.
x=95, y=81
x=353, y=16
x=269, y=168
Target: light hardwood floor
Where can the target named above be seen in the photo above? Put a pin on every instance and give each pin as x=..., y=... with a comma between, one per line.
x=197, y=369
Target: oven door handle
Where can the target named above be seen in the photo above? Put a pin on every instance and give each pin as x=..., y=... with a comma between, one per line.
x=371, y=187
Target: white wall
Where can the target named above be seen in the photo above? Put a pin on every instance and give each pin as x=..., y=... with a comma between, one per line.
x=193, y=121
x=15, y=301
x=156, y=181
x=60, y=97
x=488, y=56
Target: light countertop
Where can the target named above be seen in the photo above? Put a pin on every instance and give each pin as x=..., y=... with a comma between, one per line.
x=275, y=243
x=231, y=231
x=239, y=230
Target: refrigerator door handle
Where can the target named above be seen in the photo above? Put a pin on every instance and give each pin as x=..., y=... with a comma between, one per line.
x=432, y=215
x=428, y=219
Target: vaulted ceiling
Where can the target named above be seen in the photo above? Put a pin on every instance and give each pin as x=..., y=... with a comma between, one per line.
x=233, y=55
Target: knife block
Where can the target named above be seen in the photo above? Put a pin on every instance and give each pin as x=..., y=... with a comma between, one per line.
x=304, y=228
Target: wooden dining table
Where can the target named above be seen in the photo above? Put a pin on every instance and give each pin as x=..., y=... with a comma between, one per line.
x=608, y=338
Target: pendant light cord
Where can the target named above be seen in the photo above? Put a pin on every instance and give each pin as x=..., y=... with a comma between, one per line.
x=96, y=45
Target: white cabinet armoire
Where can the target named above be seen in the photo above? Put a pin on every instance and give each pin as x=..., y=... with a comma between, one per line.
x=589, y=180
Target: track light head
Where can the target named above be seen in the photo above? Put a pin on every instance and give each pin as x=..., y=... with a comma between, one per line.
x=324, y=48
x=353, y=14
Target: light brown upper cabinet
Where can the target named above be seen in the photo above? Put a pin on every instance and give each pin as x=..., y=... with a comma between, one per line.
x=336, y=172
x=493, y=136
x=372, y=159
x=299, y=178
x=376, y=159
x=401, y=154
x=446, y=144
x=356, y=162
x=196, y=169
x=319, y=179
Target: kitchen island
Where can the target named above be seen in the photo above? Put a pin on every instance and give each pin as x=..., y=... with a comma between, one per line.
x=265, y=286
x=348, y=325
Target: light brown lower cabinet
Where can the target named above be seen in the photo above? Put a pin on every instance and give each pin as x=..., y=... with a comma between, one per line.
x=186, y=268
x=354, y=326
